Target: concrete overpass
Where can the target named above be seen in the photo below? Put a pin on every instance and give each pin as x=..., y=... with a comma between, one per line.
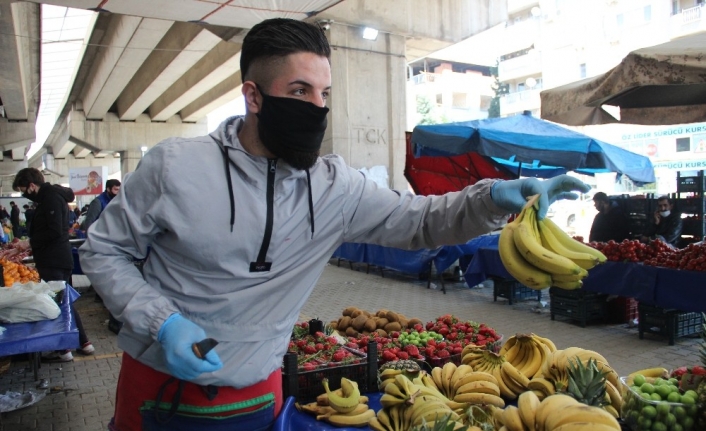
x=150, y=72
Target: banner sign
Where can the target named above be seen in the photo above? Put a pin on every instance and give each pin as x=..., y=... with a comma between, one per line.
x=89, y=180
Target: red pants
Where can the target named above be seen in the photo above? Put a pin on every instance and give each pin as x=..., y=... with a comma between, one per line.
x=138, y=383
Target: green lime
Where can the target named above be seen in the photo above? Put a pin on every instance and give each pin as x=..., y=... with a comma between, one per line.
x=679, y=412
x=638, y=380
x=687, y=423
x=659, y=426
x=644, y=422
x=663, y=391
x=663, y=409
x=633, y=416
x=674, y=388
x=646, y=396
x=691, y=410
x=692, y=393
x=647, y=388
x=655, y=397
x=688, y=400
x=674, y=397
x=670, y=420
x=649, y=412
x=674, y=381
x=677, y=427
x=635, y=388
x=658, y=381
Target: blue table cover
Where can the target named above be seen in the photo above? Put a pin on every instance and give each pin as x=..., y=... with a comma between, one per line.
x=416, y=261
x=663, y=287
x=290, y=419
x=44, y=335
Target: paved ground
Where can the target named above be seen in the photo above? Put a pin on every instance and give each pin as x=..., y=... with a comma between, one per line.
x=81, y=393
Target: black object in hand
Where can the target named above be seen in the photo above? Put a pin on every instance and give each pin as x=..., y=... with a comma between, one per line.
x=203, y=347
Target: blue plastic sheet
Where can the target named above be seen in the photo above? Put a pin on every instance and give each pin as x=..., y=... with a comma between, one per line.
x=290, y=419
x=45, y=335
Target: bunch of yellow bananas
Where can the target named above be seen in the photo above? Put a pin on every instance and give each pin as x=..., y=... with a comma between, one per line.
x=343, y=407
x=527, y=352
x=406, y=405
x=509, y=380
x=554, y=376
x=563, y=413
x=539, y=254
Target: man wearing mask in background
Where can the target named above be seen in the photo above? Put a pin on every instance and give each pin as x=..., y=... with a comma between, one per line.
x=49, y=239
x=276, y=211
x=112, y=188
x=610, y=223
x=666, y=224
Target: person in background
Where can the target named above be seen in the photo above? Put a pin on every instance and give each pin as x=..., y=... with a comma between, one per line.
x=112, y=188
x=49, y=239
x=72, y=218
x=666, y=224
x=3, y=213
x=610, y=223
x=15, y=219
x=270, y=212
x=29, y=215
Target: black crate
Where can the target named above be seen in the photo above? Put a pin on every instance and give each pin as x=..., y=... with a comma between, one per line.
x=578, y=305
x=667, y=322
x=305, y=386
x=689, y=184
x=513, y=291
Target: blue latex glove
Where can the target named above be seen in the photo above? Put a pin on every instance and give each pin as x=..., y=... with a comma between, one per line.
x=176, y=335
x=512, y=195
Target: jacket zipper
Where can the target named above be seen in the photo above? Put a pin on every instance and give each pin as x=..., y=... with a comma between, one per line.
x=271, y=169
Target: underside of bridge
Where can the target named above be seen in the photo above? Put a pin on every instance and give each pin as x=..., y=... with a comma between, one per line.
x=147, y=74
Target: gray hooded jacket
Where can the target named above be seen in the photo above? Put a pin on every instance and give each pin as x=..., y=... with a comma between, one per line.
x=206, y=229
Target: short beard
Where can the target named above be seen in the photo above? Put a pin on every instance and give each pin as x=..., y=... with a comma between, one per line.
x=297, y=159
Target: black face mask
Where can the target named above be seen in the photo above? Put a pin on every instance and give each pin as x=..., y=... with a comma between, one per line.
x=30, y=196
x=292, y=129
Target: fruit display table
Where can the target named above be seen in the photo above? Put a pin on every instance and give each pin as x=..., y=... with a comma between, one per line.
x=290, y=419
x=663, y=287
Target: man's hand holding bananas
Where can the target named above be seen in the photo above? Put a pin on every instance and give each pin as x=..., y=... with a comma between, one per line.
x=512, y=195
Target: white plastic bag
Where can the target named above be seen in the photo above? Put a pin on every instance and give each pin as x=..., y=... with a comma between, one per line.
x=29, y=302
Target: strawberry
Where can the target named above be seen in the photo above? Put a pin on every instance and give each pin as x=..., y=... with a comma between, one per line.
x=443, y=331
x=452, y=336
x=430, y=325
x=338, y=356
x=403, y=355
x=457, y=350
x=309, y=349
x=443, y=354
x=698, y=370
x=388, y=356
x=418, y=327
x=319, y=346
x=430, y=351
x=412, y=350
x=309, y=366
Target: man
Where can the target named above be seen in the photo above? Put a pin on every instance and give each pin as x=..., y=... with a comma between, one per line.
x=15, y=219
x=666, y=224
x=240, y=225
x=112, y=187
x=610, y=223
x=29, y=215
x=49, y=239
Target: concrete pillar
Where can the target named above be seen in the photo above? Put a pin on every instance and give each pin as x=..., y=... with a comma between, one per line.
x=129, y=161
x=368, y=114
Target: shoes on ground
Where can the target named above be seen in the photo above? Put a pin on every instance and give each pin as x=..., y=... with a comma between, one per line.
x=61, y=356
x=86, y=349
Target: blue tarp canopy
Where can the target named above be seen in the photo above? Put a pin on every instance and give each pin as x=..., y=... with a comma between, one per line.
x=545, y=149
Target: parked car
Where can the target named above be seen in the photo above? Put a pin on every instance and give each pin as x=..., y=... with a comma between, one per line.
x=574, y=217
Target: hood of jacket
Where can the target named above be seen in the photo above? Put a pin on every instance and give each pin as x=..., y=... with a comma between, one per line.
x=66, y=193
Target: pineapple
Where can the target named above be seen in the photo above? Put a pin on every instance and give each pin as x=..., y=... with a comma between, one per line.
x=587, y=383
x=410, y=369
x=443, y=424
x=701, y=390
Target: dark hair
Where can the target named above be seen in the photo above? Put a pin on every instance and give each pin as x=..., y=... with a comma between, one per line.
x=601, y=197
x=664, y=198
x=111, y=183
x=280, y=37
x=27, y=176
x=12, y=202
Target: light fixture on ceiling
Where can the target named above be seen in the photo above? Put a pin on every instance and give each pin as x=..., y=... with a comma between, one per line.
x=325, y=24
x=370, y=33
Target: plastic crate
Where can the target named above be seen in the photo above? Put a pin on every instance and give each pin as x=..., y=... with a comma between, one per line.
x=307, y=385
x=667, y=322
x=578, y=305
x=513, y=291
x=622, y=310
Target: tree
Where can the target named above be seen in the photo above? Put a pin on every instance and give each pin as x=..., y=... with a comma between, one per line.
x=429, y=112
x=499, y=89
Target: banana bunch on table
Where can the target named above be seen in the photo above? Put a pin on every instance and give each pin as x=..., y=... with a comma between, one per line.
x=539, y=254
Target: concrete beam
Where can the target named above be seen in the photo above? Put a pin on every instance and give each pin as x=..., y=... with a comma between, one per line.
x=8, y=169
x=81, y=153
x=182, y=47
x=15, y=134
x=59, y=139
x=105, y=138
x=19, y=57
x=220, y=63
x=127, y=44
x=428, y=25
x=226, y=91
x=18, y=154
